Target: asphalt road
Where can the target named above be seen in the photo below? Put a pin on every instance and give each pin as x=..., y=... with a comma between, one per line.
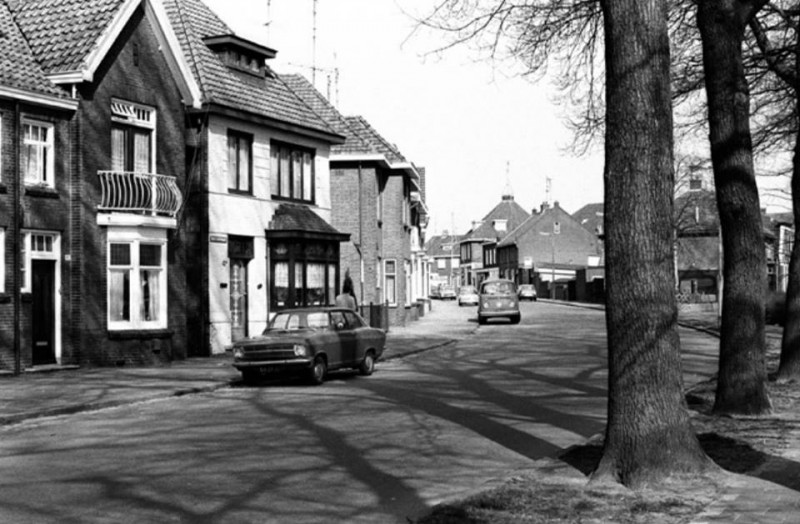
x=382, y=449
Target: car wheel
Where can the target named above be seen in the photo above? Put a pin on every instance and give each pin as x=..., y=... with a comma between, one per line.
x=318, y=371
x=250, y=375
x=515, y=319
x=367, y=365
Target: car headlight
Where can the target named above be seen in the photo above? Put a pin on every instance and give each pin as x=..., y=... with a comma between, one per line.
x=300, y=350
x=238, y=352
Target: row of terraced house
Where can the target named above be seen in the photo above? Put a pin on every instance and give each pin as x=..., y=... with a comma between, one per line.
x=163, y=190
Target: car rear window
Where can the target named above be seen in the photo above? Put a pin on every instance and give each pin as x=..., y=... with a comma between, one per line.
x=468, y=289
x=497, y=288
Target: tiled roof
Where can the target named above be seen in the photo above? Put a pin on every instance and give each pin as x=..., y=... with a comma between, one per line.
x=372, y=141
x=193, y=21
x=434, y=247
x=590, y=216
x=296, y=218
x=61, y=33
x=507, y=210
x=18, y=68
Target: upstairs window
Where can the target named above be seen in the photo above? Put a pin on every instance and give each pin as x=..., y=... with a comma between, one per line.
x=37, y=153
x=292, y=174
x=390, y=281
x=132, y=137
x=240, y=162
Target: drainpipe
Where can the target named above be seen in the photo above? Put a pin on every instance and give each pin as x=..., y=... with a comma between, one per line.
x=16, y=231
x=360, y=238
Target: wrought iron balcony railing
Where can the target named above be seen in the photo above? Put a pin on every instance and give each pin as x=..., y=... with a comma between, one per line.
x=146, y=193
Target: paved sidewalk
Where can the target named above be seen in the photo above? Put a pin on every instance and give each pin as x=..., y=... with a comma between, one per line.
x=67, y=391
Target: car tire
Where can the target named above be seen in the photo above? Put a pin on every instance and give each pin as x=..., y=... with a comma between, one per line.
x=367, y=365
x=318, y=371
x=250, y=375
x=481, y=320
x=514, y=319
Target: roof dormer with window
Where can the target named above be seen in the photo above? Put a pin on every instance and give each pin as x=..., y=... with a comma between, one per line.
x=240, y=54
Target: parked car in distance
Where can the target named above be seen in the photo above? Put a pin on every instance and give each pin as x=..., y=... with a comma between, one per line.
x=468, y=295
x=310, y=341
x=447, y=292
x=527, y=292
x=498, y=299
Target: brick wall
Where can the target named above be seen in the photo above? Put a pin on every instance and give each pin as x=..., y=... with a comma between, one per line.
x=345, y=204
x=150, y=83
x=396, y=242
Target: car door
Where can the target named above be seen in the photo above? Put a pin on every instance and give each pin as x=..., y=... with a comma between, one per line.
x=340, y=338
x=351, y=352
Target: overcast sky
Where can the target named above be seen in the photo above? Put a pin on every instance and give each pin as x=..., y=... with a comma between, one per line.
x=464, y=120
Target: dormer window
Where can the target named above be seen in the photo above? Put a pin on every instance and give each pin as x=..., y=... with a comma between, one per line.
x=240, y=54
x=501, y=225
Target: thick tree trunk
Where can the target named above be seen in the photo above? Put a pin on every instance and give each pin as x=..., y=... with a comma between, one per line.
x=789, y=367
x=741, y=386
x=648, y=436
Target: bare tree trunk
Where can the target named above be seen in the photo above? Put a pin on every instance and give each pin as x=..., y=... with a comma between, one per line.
x=741, y=386
x=648, y=436
x=789, y=367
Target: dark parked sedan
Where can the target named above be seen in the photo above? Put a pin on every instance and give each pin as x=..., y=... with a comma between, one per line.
x=310, y=341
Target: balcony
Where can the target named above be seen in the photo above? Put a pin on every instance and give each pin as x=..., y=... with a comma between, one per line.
x=153, y=199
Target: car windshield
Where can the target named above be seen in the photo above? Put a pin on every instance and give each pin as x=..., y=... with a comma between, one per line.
x=526, y=287
x=468, y=289
x=293, y=321
x=497, y=288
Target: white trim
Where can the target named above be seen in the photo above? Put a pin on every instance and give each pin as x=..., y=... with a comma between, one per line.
x=2, y=260
x=1, y=181
x=107, y=39
x=39, y=99
x=55, y=255
x=134, y=220
x=68, y=77
x=167, y=39
x=134, y=238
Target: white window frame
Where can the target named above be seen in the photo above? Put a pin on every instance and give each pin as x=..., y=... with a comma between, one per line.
x=387, y=276
x=29, y=253
x=135, y=238
x=48, y=177
x=136, y=115
x=1, y=155
x=2, y=260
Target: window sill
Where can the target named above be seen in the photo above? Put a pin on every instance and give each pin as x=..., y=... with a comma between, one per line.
x=41, y=191
x=140, y=334
x=290, y=199
x=239, y=192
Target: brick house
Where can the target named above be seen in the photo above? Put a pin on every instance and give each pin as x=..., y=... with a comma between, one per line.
x=259, y=209
x=102, y=265
x=445, y=258
x=547, y=250
x=477, y=247
x=377, y=198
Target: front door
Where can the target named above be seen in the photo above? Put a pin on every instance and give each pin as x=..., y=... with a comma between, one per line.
x=43, y=281
x=238, y=287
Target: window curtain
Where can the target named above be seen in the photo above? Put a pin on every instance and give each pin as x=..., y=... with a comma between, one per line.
x=150, y=282
x=308, y=178
x=119, y=286
x=274, y=171
x=297, y=175
x=331, y=283
x=280, y=274
x=244, y=164
x=232, y=161
x=285, y=169
x=299, y=268
x=315, y=285
x=117, y=149
x=141, y=148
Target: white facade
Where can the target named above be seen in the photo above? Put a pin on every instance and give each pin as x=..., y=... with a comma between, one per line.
x=248, y=215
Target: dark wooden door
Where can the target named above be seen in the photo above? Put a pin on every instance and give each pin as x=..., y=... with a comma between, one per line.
x=43, y=279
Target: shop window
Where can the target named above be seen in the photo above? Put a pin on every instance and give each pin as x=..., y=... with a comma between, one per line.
x=303, y=274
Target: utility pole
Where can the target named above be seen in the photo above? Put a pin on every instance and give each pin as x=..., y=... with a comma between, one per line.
x=314, y=47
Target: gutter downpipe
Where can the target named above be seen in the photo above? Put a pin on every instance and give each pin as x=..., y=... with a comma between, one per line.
x=16, y=232
x=360, y=239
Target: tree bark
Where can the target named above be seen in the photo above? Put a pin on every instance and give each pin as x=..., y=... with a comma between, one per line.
x=741, y=386
x=789, y=367
x=648, y=436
